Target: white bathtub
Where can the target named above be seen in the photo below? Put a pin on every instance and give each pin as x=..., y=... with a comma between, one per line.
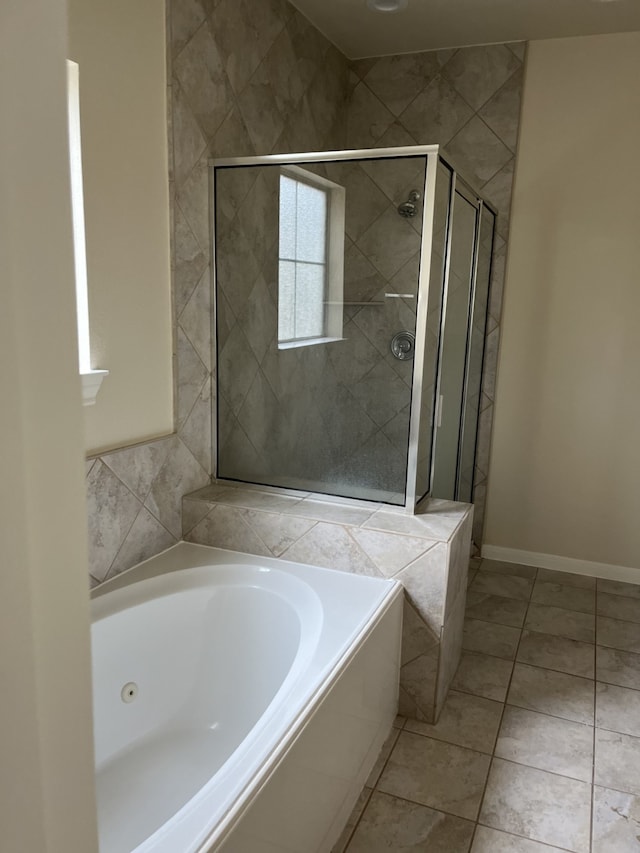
x=239, y=703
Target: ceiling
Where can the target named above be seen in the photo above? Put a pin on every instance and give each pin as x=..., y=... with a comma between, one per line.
x=433, y=24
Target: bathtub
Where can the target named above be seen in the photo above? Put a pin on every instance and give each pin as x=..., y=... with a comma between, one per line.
x=239, y=702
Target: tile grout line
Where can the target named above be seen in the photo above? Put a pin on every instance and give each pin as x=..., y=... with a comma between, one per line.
x=504, y=707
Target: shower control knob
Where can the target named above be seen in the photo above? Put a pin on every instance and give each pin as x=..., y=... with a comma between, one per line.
x=403, y=345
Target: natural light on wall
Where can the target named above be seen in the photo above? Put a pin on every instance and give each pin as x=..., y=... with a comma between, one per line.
x=91, y=379
x=311, y=258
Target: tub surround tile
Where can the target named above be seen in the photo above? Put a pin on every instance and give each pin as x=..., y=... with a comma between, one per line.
x=542, y=806
x=180, y=474
x=418, y=680
x=390, y=552
x=618, y=709
x=466, y=720
x=616, y=821
x=550, y=692
x=331, y=546
x=112, y=510
x=436, y=774
x=570, y=598
x=425, y=582
x=560, y=622
x=557, y=653
x=192, y=514
x=417, y=637
x=490, y=639
x=278, y=532
x=226, y=527
x=450, y=651
x=146, y=538
x=138, y=466
x=548, y=743
x=617, y=761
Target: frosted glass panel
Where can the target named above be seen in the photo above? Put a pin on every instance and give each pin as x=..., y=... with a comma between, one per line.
x=287, y=300
x=287, y=218
x=311, y=224
x=309, y=300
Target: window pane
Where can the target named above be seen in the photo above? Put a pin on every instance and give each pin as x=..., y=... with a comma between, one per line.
x=311, y=224
x=287, y=217
x=286, y=301
x=309, y=309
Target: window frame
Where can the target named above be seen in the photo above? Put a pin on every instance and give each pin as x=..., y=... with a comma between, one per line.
x=333, y=291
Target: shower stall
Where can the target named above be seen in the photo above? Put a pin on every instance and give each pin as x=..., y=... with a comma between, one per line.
x=351, y=293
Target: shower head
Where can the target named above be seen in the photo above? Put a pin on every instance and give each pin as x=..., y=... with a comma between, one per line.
x=409, y=208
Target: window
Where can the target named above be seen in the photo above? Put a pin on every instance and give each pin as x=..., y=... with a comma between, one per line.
x=311, y=258
x=91, y=379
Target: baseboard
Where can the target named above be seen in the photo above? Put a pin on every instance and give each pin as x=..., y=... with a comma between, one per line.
x=561, y=564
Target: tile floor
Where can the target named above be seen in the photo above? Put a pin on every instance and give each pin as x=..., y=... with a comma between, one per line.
x=538, y=746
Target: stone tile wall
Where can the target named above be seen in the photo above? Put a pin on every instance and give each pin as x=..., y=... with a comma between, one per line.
x=467, y=101
x=427, y=553
x=254, y=76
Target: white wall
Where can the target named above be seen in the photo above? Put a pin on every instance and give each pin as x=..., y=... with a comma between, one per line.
x=46, y=748
x=120, y=48
x=565, y=467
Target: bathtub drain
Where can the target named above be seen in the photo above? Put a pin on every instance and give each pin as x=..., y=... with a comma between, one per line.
x=129, y=691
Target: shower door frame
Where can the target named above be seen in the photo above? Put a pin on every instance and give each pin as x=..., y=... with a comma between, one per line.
x=459, y=185
x=432, y=155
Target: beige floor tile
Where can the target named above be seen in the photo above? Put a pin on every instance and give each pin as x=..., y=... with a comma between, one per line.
x=566, y=579
x=617, y=634
x=555, y=693
x=506, y=586
x=569, y=597
x=495, y=608
x=617, y=761
x=618, y=709
x=538, y=805
x=385, y=752
x=557, y=653
x=483, y=675
x=632, y=590
x=341, y=844
x=465, y=720
x=488, y=638
x=616, y=667
x=493, y=841
x=616, y=822
x=619, y=607
x=390, y=824
x=502, y=568
x=436, y=774
x=548, y=743
x=561, y=623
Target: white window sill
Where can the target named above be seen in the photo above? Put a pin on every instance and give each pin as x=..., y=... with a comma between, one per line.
x=91, y=382
x=307, y=342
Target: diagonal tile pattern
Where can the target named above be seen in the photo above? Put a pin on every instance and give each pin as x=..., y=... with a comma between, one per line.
x=245, y=75
x=555, y=776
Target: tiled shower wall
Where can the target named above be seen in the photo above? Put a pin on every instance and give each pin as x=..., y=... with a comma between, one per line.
x=254, y=76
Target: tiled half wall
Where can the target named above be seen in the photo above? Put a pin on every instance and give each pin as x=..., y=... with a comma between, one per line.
x=254, y=77
x=428, y=553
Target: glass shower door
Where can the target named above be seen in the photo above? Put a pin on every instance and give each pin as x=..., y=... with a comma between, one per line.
x=317, y=270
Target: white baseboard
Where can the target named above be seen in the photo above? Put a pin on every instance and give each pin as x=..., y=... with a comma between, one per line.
x=561, y=564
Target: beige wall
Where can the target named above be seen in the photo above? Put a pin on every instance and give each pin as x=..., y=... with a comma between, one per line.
x=120, y=48
x=564, y=475
x=46, y=769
